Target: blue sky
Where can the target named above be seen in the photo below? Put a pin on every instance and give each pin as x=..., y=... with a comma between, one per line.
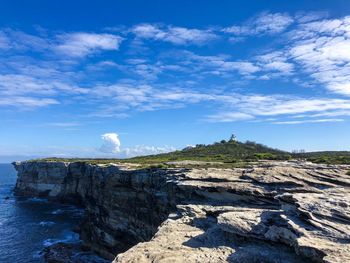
x=122, y=78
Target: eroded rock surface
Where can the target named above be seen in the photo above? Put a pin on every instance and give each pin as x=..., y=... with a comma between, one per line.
x=269, y=212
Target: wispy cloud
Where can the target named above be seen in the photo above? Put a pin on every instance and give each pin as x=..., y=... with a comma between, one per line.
x=63, y=124
x=321, y=48
x=21, y=41
x=83, y=44
x=305, y=17
x=248, y=107
x=216, y=65
x=76, y=44
x=314, y=48
x=265, y=66
x=174, y=35
x=274, y=64
x=308, y=121
x=27, y=102
x=229, y=117
x=264, y=23
x=123, y=98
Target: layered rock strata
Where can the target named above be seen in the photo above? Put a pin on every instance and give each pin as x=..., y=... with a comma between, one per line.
x=269, y=212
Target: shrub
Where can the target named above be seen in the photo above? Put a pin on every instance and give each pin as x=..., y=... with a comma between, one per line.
x=266, y=156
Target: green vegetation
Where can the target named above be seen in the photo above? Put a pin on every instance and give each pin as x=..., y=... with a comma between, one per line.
x=327, y=157
x=348, y=173
x=224, y=154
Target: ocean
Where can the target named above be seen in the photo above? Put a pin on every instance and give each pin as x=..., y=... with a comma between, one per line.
x=28, y=225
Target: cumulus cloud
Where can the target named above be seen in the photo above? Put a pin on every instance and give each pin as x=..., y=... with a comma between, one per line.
x=175, y=35
x=111, y=146
x=111, y=143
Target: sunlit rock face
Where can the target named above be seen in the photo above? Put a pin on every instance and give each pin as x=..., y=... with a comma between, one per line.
x=269, y=212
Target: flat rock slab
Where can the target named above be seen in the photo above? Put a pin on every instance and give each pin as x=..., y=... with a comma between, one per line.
x=269, y=212
x=273, y=212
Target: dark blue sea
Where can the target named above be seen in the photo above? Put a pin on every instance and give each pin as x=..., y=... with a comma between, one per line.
x=28, y=225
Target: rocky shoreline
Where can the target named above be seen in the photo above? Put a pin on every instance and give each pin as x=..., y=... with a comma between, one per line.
x=269, y=212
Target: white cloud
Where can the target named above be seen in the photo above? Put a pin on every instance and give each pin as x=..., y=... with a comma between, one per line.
x=308, y=121
x=111, y=146
x=248, y=107
x=316, y=48
x=278, y=105
x=28, y=90
x=334, y=113
x=83, y=44
x=322, y=49
x=272, y=23
x=304, y=17
x=123, y=98
x=77, y=44
x=21, y=41
x=264, y=23
x=229, y=117
x=275, y=64
x=141, y=150
x=110, y=149
x=16, y=84
x=175, y=35
x=27, y=102
x=218, y=65
x=63, y=124
x=111, y=143
x=120, y=100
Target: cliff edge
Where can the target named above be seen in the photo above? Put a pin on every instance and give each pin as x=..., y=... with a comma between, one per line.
x=269, y=212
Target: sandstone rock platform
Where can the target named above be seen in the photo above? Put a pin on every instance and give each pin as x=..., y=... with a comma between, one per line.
x=267, y=212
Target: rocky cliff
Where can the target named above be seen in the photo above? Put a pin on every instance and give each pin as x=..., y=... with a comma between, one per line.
x=269, y=212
